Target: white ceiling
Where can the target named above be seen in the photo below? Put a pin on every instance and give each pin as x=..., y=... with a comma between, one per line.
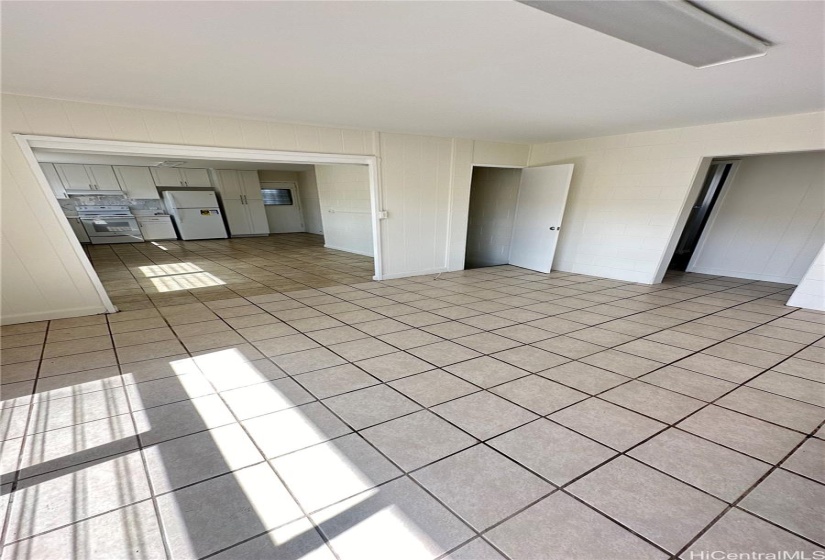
x=495, y=70
x=58, y=156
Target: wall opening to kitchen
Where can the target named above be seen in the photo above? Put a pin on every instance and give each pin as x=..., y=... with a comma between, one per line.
x=168, y=194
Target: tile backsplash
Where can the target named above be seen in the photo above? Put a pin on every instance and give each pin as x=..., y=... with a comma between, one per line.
x=70, y=204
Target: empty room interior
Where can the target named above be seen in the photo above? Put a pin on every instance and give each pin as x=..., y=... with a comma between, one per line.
x=420, y=280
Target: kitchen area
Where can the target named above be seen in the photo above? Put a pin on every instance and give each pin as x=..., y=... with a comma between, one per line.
x=125, y=199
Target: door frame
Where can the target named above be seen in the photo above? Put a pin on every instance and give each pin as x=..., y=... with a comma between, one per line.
x=296, y=198
x=702, y=167
x=467, y=225
x=28, y=142
x=714, y=212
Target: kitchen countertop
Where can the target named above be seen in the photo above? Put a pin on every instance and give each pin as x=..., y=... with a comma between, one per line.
x=152, y=213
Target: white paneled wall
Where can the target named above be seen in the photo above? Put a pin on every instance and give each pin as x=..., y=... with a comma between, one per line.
x=416, y=173
x=493, y=198
x=628, y=191
x=310, y=203
x=769, y=221
x=811, y=290
x=344, y=193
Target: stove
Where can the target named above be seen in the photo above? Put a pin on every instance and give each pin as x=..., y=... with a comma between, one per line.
x=109, y=224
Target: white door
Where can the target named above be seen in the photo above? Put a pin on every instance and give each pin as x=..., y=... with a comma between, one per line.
x=237, y=217
x=258, y=221
x=200, y=224
x=250, y=185
x=229, y=184
x=542, y=196
x=284, y=218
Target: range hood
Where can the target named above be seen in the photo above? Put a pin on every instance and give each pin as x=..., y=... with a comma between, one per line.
x=96, y=192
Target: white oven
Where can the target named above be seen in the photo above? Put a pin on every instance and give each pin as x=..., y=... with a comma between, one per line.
x=109, y=224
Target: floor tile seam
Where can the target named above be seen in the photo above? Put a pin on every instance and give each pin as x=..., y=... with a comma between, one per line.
x=674, y=425
x=747, y=492
x=272, y=469
x=782, y=362
x=73, y=523
x=667, y=426
x=476, y=532
x=674, y=363
x=144, y=463
x=29, y=413
x=588, y=506
x=738, y=386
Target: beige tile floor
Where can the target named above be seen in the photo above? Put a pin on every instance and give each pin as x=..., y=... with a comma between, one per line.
x=263, y=398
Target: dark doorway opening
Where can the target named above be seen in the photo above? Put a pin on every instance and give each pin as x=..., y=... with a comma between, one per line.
x=718, y=174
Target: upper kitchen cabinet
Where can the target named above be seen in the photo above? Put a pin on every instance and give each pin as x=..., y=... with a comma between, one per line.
x=137, y=182
x=54, y=180
x=180, y=177
x=196, y=178
x=79, y=177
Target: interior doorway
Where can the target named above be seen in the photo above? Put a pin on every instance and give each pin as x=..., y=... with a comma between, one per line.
x=493, y=197
x=201, y=164
x=515, y=215
x=756, y=217
x=282, y=204
x=719, y=173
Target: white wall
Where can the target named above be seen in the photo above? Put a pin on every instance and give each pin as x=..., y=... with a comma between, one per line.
x=310, y=202
x=811, y=290
x=628, y=191
x=493, y=198
x=634, y=185
x=769, y=222
x=344, y=192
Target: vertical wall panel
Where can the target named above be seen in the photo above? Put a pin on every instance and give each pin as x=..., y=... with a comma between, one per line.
x=344, y=199
x=416, y=177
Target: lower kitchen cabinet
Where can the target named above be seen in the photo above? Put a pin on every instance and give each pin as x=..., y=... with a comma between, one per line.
x=156, y=227
x=79, y=230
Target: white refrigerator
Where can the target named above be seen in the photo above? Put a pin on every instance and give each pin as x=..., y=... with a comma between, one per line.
x=196, y=214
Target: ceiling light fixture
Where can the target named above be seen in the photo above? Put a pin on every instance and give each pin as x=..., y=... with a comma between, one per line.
x=674, y=28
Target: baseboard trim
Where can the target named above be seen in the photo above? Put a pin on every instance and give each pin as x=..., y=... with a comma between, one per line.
x=414, y=273
x=363, y=253
x=51, y=315
x=754, y=277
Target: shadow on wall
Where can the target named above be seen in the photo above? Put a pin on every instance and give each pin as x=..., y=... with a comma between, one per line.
x=229, y=450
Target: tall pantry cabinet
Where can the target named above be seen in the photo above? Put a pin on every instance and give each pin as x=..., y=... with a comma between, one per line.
x=242, y=202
